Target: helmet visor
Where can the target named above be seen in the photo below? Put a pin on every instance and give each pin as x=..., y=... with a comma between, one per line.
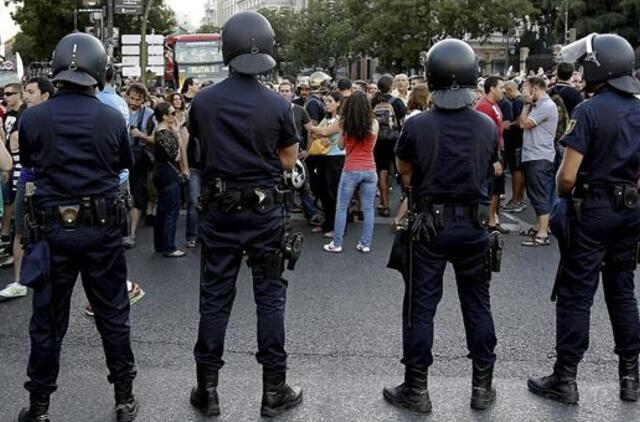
x=580, y=51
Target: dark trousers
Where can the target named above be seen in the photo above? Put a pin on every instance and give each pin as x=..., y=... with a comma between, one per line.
x=309, y=207
x=329, y=170
x=194, y=188
x=225, y=237
x=166, y=222
x=605, y=241
x=465, y=246
x=97, y=254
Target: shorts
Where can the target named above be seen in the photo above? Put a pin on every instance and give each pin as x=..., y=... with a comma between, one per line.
x=138, y=180
x=384, y=154
x=498, y=185
x=20, y=207
x=513, y=157
x=538, y=175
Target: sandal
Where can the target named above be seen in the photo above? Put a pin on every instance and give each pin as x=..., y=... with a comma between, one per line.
x=536, y=241
x=531, y=231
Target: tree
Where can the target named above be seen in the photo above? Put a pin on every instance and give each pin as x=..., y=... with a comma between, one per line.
x=208, y=28
x=284, y=23
x=587, y=16
x=43, y=23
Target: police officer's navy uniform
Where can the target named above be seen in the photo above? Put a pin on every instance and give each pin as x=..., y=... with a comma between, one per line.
x=77, y=147
x=241, y=126
x=452, y=149
x=603, y=227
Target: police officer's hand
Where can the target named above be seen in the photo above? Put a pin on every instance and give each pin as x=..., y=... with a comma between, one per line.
x=498, y=169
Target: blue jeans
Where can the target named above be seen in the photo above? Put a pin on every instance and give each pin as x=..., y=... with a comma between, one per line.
x=195, y=187
x=350, y=181
x=167, y=213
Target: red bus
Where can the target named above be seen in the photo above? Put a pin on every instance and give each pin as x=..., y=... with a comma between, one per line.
x=197, y=56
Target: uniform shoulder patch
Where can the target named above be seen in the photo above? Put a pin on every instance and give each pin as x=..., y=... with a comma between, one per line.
x=571, y=126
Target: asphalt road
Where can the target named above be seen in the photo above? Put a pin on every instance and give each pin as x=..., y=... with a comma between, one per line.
x=343, y=338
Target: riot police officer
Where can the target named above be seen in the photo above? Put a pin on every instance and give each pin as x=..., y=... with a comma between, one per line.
x=248, y=138
x=449, y=154
x=77, y=146
x=598, y=181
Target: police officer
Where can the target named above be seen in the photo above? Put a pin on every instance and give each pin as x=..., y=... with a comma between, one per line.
x=248, y=138
x=450, y=154
x=599, y=176
x=77, y=147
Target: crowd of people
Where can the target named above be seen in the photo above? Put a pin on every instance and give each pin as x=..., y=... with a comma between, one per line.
x=349, y=130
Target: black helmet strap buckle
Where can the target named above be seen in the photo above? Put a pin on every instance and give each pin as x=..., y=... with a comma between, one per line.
x=73, y=65
x=254, y=49
x=591, y=55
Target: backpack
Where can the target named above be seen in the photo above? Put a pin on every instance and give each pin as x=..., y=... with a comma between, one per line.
x=386, y=120
x=563, y=116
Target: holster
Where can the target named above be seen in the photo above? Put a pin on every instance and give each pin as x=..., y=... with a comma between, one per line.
x=496, y=244
x=625, y=196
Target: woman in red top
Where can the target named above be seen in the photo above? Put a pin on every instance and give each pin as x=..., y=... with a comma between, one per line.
x=359, y=133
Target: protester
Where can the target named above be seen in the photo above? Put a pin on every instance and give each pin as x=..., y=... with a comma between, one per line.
x=329, y=162
x=513, y=150
x=401, y=84
x=488, y=104
x=15, y=107
x=178, y=103
x=189, y=90
x=539, y=120
x=571, y=97
x=167, y=179
x=359, y=132
x=303, y=125
x=141, y=140
x=345, y=87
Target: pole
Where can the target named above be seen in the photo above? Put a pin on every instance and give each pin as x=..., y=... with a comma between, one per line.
x=75, y=20
x=566, y=22
x=143, y=41
x=110, y=40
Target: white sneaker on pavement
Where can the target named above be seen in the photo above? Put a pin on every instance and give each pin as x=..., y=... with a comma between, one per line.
x=364, y=249
x=12, y=291
x=331, y=247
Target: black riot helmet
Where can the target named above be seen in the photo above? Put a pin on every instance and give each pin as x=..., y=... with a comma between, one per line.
x=80, y=59
x=452, y=73
x=604, y=58
x=248, y=43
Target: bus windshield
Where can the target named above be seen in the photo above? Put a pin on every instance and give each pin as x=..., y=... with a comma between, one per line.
x=198, y=52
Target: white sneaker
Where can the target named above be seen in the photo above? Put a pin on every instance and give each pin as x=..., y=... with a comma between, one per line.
x=13, y=291
x=331, y=247
x=364, y=249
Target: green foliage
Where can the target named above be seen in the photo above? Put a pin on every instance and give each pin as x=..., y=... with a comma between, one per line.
x=208, y=28
x=619, y=16
x=43, y=23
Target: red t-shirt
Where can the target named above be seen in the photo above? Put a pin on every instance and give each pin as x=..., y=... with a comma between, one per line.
x=360, y=154
x=493, y=111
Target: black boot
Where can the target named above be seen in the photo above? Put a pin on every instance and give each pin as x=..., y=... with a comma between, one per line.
x=277, y=395
x=629, y=378
x=38, y=410
x=412, y=394
x=483, y=393
x=204, y=397
x=126, y=405
x=560, y=385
